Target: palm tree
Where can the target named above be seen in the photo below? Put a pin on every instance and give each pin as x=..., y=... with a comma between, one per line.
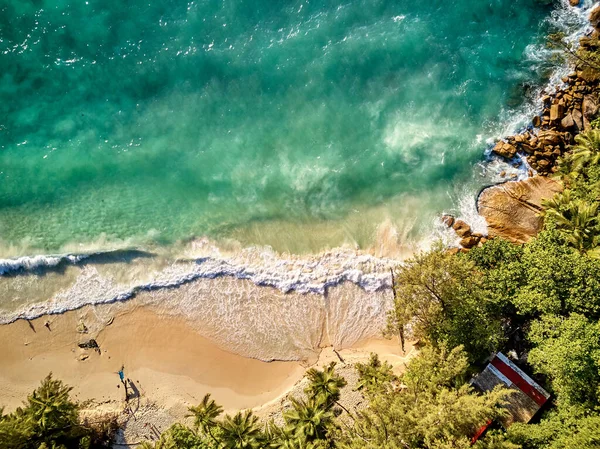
x=146, y=445
x=326, y=384
x=241, y=431
x=282, y=437
x=49, y=406
x=577, y=221
x=205, y=415
x=586, y=151
x=309, y=420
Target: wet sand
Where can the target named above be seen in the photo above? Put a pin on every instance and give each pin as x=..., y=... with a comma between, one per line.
x=168, y=361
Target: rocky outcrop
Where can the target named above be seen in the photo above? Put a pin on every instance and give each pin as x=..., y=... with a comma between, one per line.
x=566, y=112
x=595, y=17
x=468, y=238
x=512, y=209
x=461, y=228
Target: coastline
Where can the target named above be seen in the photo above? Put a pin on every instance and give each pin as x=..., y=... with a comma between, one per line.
x=164, y=331
x=165, y=357
x=169, y=365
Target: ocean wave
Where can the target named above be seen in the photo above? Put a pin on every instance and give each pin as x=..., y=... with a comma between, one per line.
x=31, y=263
x=315, y=274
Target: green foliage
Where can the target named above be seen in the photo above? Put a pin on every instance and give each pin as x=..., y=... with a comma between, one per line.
x=325, y=385
x=241, y=431
x=308, y=424
x=574, y=213
x=442, y=298
x=569, y=427
x=49, y=419
x=567, y=350
x=178, y=436
x=435, y=368
x=205, y=415
x=374, y=376
x=556, y=279
x=433, y=410
x=576, y=220
x=310, y=420
x=586, y=151
x=283, y=437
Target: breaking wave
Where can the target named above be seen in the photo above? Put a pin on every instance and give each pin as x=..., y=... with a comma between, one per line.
x=263, y=268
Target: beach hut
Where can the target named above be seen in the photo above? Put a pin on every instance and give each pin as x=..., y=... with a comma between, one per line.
x=527, y=398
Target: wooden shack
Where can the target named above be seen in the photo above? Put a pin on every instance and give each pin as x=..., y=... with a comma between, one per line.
x=527, y=398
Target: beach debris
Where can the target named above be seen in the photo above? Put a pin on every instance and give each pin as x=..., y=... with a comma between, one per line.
x=82, y=328
x=90, y=344
x=110, y=320
x=83, y=357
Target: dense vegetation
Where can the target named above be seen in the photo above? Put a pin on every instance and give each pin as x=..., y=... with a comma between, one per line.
x=49, y=419
x=540, y=300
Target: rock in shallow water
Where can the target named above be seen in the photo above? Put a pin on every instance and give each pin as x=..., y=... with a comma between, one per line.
x=512, y=209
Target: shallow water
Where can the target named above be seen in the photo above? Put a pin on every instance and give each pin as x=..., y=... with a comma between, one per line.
x=157, y=121
x=202, y=133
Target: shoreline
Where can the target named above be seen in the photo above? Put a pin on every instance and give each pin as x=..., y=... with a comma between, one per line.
x=168, y=364
x=172, y=357
x=235, y=262
x=163, y=355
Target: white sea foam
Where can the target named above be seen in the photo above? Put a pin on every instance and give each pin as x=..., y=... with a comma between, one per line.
x=313, y=274
x=30, y=263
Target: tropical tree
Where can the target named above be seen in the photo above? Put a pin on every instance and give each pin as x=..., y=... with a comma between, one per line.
x=282, y=437
x=374, y=376
x=310, y=420
x=556, y=280
x=434, y=409
x=205, y=415
x=442, y=297
x=241, y=431
x=567, y=350
x=578, y=221
x=586, y=151
x=50, y=419
x=565, y=427
x=326, y=384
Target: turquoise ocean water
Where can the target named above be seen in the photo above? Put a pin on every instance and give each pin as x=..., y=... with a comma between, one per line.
x=292, y=123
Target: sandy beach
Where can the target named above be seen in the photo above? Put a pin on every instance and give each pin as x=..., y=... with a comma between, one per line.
x=167, y=360
x=169, y=364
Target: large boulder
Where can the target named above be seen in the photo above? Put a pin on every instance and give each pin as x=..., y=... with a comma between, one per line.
x=512, y=209
x=505, y=150
x=590, y=106
x=461, y=228
x=595, y=16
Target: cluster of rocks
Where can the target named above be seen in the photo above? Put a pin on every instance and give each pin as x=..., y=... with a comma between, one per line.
x=566, y=113
x=468, y=238
x=512, y=210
